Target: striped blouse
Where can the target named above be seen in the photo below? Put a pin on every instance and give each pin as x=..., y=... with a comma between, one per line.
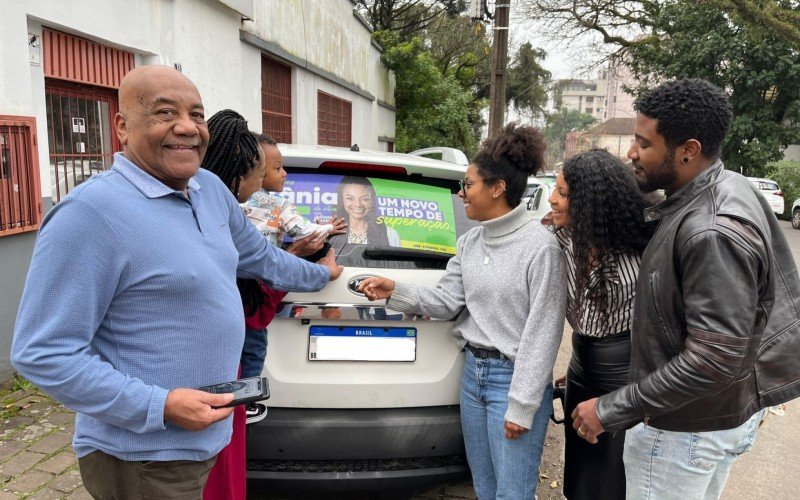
x=621, y=288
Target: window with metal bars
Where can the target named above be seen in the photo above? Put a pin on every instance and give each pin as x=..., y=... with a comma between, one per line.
x=276, y=100
x=334, y=120
x=20, y=193
x=80, y=133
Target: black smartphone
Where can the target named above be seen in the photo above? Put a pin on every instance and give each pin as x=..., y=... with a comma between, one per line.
x=246, y=390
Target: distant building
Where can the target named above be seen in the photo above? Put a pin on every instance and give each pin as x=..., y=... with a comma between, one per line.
x=587, y=96
x=619, y=104
x=614, y=135
x=792, y=152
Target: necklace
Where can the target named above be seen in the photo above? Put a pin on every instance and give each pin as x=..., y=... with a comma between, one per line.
x=359, y=239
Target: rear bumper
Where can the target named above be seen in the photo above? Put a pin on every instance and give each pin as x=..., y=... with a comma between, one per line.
x=338, y=450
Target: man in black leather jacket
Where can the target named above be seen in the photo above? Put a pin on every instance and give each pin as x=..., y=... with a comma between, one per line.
x=716, y=326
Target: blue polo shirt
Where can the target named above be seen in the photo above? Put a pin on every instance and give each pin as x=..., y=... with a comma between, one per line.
x=132, y=292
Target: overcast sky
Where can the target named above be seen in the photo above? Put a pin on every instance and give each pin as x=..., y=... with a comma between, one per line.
x=564, y=59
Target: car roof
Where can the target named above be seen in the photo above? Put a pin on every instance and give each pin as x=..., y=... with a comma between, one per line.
x=312, y=156
x=534, y=180
x=760, y=179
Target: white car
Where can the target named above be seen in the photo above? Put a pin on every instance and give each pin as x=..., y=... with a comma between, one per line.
x=65, y=175
x=362, y=396
x=770, y=190
x=537, y=195
x=796, y=214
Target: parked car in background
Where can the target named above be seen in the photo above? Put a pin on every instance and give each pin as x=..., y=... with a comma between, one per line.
x=796, y=214
x=770, y=190
x=65, y=175
x=536, y=196
x=363, y=397
x=548, y=178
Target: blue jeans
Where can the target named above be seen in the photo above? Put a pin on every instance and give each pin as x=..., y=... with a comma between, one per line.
x=254, y=352
x=501, y=468
x=683, y=465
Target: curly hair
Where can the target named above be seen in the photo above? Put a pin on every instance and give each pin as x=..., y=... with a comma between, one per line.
x=513, y=155
x=689, y=109
x=606, y=219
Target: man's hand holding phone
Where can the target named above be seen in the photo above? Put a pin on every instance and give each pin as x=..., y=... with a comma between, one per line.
x=195, y=410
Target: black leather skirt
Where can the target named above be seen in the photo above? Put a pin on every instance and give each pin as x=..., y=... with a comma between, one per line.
x=598, y=366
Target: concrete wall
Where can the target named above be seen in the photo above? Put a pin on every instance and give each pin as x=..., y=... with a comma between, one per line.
x=16, y=252
x=792, y=153
x=329, y=49
x=617, y=145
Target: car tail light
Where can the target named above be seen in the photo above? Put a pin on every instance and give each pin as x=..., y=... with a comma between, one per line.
x=362, y=167
x=778, y=193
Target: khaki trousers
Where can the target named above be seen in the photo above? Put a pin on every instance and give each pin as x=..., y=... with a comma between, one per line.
x=106, y=477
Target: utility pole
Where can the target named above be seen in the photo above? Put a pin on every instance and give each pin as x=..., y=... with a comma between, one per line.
x=497, y=84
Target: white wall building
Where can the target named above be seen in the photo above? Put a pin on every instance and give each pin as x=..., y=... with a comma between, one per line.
x=304, y=71
x=587, y=96
x=619, y=104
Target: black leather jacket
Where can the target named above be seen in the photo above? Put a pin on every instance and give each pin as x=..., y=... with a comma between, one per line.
x=716, y=322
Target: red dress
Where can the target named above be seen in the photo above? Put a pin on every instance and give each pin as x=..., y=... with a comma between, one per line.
x=228, y=477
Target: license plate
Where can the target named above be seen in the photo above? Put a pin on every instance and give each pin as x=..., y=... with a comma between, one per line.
x=347, y=343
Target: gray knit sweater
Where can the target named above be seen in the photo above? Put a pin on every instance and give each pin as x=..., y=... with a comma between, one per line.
x=507, y=286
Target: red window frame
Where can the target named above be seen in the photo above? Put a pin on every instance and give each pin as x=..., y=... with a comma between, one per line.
x=334, y=120
x=276, y=99
x=55, y=89
x=20, y=189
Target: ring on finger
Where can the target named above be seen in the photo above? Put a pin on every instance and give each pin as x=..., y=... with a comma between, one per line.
x=581, y=432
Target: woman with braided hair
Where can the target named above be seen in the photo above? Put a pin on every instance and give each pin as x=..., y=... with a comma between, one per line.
x=597, y=215
x=234, y=156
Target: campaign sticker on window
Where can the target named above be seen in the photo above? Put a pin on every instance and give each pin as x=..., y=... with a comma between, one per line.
x=346, y=343
x=378, y=212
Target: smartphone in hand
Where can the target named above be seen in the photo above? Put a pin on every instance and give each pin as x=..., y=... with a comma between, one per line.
x=246, y=390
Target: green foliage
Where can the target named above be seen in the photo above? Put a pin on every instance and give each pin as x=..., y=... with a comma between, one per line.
x=757, y=68
x=558, y=124
x=787, y=174
x=527, y=81
x=735, y=44
x=441, y=61
x=407, y=18
x=20, y=383
x=432, y=108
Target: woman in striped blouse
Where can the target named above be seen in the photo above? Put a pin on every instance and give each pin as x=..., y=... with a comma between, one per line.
x=597, y=214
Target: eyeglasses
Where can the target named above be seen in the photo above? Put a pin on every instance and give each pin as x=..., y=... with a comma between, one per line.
x=463, y=185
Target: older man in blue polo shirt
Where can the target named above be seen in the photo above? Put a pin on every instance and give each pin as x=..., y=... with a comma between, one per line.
x=131, y=297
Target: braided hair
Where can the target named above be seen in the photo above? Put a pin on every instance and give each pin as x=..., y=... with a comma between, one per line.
x=232, y=149
x=232, y=153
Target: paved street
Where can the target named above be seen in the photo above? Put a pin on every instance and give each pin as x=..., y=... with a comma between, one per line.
x=37, y=462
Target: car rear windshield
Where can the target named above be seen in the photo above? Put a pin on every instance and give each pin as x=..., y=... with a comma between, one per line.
x=766, y=186
x=400, y=222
